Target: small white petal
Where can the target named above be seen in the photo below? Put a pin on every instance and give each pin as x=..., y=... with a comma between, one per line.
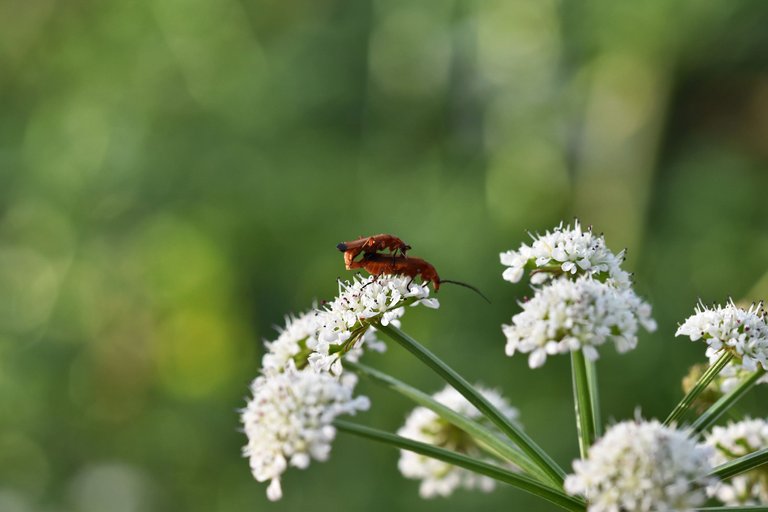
x=512, y=274
x=274, y=491
x=507, y=258
x=431, y=303
x=591, y=353
x=537, y=358
x=300, y=460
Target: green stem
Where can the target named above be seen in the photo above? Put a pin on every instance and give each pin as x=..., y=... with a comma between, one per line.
x=582, y=397
x=486, y=439
x=595, y=394
x=741, y=465
x=522, y=482
x=520, y=438
x=711, y=415
x=700, y=386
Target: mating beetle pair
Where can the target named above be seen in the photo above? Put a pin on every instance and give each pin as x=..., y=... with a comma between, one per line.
x=376, y=262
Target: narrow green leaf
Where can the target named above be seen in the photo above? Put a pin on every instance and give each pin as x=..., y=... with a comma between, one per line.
x=595, y=394
x=741, y=465
x=520, y=438
x=711, y=415
x=582, y=397
x=521, y=482
x=700, y=386
x=486, y=438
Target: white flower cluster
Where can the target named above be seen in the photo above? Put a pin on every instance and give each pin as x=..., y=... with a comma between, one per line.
x=289, y=420
x=585, y=298
x=301, y=389
x=566, y=250
x=643, y=467
x=742, y=332
x=439, y=478
x=292, y=341
x=734, y=441
x=570, y=315
x=298, y=339
x=360, y=303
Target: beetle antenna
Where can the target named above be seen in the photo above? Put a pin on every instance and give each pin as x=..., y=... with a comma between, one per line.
x=465, y=285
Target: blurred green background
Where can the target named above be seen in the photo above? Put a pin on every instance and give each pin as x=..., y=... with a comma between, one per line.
x=175, y=176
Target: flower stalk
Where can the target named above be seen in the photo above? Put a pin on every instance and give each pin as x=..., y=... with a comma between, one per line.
x=711, y=415
x=521, y=482
x=584, y=401
x=595, y=396
x=711, y=372
x=741, y=465
x=520, y=438
x=487, y=439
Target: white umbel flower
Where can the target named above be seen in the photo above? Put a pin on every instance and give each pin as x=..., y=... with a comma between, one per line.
x=291, y=341
x=361, y=303
x=289, y=420
x=731, y=442
x=568, y=315
x=439, y=478
x=642, y=467
x=300, y=334
x=742, y=332
x=572, y=251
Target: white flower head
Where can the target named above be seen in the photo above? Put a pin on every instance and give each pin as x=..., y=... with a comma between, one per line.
x=300, y=335
x=567, y=315
x=439, y=478
x=289, y=420
x=643, y=467
x=743, y=332
x=361, y=303
x=566, y=250
x=292, y=341
x=731, y=442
